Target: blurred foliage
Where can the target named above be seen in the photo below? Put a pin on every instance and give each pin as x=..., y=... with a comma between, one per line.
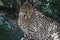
x=1, y=4
x=7, y=30
x=10, y=3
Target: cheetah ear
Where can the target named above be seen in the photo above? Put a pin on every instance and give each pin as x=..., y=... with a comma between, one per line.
x=27, y=3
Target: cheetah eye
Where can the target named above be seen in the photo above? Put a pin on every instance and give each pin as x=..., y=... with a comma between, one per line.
x=25, y=12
